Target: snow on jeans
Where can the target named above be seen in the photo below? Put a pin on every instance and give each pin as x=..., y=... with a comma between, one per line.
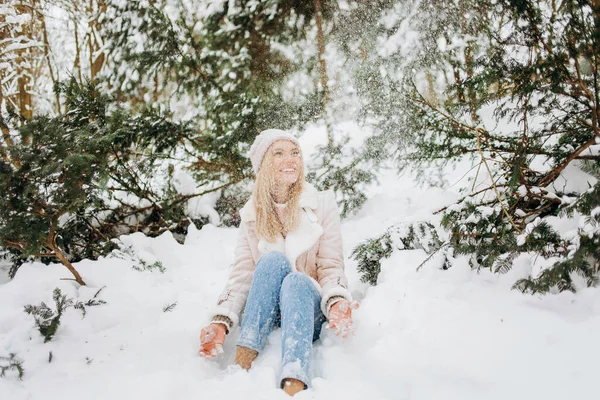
x=280, y=295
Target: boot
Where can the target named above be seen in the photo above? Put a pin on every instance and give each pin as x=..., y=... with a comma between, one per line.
x=292, y=386
x=244, y=357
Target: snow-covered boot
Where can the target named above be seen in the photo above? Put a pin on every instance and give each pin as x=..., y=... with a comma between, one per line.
x=292, y=386
x=244, y=357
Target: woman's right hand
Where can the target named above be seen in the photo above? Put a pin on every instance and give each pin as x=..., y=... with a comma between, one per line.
x=212, y=338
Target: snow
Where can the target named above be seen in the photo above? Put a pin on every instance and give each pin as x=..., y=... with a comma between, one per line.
x=198, y=206
x=453, y=334
x=572, y=179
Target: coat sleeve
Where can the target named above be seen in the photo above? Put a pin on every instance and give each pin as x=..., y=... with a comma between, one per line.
x=233, y=298
x=330, y=256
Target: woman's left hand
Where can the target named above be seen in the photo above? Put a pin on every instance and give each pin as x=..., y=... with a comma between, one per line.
x=340, y=317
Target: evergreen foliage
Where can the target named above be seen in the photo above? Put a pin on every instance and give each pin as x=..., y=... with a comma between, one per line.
x=225, y=63
x=510, y=84
x=523, y=105
x=348, y=179
x=145, y=266
x=129, y=253
x=169, y=307
x=11, y=363
x=47, y=319
x=418, y=236
x=224, y=68
x=230, y=203
x=83, y=179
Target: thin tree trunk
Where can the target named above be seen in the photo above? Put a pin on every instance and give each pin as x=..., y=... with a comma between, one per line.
x=460, y=93
x=595, y=62
x=322, y=65
x=51, y=243
x=63, y=259
x=469, y=68
x=24, y=73
x=321, y=52
x=156, y=84
x=47, y=55
x=77, y=62
x=4, y=129
x=94, y=42
x=3, y=125
x=472, y=93
x=431, y=94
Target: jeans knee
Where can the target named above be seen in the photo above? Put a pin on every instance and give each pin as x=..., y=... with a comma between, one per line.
x=295, y=281
x=273, y=261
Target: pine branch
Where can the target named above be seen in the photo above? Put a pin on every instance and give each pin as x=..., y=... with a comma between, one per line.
x=11, y=363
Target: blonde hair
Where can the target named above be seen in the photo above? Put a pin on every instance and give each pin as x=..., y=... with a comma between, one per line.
x=268, y=224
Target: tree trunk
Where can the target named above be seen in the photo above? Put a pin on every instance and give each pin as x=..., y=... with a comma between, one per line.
x=5, y=131
x=468, y=54
x=24, y=73
x=3, y=125
x=321, y=52
x=460, y=93
x=431, y=94
x=472, y=93
x=63, y=259
x=94, y=40
x=47, y=51
x=595, y=62
x=322, y=66
x=77, y=62
x=51, y=244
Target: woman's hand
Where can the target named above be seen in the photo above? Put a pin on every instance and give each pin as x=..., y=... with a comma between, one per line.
x=212, y=338
x=340, y=317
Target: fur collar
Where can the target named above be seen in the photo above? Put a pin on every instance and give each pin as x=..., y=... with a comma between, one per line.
x=302, y=238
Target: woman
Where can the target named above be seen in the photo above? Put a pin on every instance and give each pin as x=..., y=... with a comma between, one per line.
x=288, y=269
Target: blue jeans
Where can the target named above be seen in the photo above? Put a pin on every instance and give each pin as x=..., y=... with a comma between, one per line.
x=280, y=296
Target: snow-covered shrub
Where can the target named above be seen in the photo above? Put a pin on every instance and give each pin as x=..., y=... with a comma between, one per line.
x=515, y=85
x=47, y=319
x=344, y=170
x=80, y=181
x=11, y=363
x=510, y=85
x=418, y=236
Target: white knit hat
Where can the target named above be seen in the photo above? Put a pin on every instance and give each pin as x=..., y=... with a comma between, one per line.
x=262, y=143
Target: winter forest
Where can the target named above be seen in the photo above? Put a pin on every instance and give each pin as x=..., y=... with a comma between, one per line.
x=461, y=139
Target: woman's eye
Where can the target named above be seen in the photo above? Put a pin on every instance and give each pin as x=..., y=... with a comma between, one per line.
x=278, y=153
x=295, y=153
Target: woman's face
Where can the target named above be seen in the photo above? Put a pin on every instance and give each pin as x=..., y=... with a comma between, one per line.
x=287, y=162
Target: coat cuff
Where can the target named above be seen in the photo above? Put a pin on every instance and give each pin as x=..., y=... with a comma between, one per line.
x=336, y=291
x=225, y=312
x=223, y=320
x=332, y=300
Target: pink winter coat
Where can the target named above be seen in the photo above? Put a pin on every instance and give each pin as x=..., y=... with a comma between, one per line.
x=314, y=248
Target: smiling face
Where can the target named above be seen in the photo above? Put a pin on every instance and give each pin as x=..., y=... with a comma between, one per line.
x=286, y=162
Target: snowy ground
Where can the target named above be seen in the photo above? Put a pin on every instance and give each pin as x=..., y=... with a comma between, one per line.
x=430, y=334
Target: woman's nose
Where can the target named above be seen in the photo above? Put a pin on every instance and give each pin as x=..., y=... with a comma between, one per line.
x=289, y=159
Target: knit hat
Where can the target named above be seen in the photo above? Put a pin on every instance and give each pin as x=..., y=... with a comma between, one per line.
x=262, y=143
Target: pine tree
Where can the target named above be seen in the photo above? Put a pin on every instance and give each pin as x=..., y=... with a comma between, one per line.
x=549, y=88
x=57, y=202
x=224, y=65
x=516, y=92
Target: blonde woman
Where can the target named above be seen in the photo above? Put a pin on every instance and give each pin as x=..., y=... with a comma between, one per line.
x=288, y=269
